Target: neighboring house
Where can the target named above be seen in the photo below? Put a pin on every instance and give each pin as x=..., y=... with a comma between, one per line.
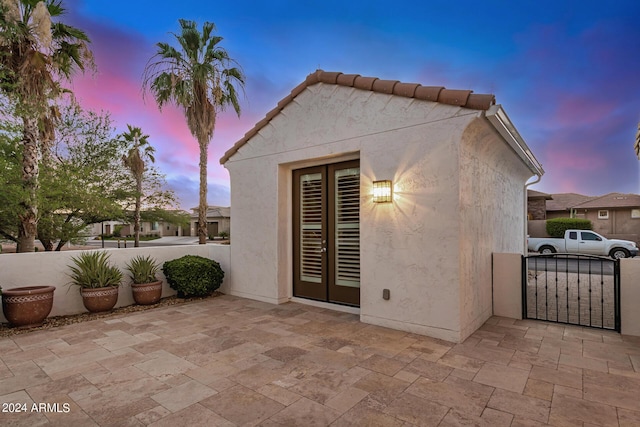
x=614, y=215
x=147, y=228
x=560, y=204
x=537, y=205
x=218, y=221
x=308, y=182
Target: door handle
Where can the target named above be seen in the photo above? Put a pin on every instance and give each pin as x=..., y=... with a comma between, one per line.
x=322, y=250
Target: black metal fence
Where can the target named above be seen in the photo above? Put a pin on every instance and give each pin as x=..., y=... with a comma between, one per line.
x=574, y=289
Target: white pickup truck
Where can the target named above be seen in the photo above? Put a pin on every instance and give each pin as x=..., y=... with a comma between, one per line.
x=584, y=242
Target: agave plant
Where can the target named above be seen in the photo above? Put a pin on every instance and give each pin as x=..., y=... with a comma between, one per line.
x=143, y=269
x=93, y=270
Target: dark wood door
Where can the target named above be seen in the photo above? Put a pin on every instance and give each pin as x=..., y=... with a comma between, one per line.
x=326, y=238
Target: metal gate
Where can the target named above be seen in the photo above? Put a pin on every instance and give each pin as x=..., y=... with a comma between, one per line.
x=574, y=289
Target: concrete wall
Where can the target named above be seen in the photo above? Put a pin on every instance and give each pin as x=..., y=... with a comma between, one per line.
x=537, y=228
x=52, y=268
x=630, y=296
x=507, y=285
x=411, y=246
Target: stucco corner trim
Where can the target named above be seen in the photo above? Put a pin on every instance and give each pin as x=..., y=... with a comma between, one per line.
x=501, y=122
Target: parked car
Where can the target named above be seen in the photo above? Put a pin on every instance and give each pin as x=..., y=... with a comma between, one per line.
x=584, y=242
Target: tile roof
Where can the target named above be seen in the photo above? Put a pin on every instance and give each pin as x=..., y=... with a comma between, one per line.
x=611, y=200
x=565, y=201
x=460, y=98
x=533, y=194
x=214, y=212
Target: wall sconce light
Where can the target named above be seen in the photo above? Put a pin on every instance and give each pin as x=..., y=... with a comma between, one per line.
x=382, y=191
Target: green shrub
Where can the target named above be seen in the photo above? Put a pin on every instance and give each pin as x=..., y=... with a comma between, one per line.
x=193, y=275
x=117, y=231
x=557, y=226
x=223, y=234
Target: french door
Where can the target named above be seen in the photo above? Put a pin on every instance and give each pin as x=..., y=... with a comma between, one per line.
x=326, y=233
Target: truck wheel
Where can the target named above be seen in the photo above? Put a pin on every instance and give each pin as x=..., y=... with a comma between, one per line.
x=618, y=253
x=545, y=250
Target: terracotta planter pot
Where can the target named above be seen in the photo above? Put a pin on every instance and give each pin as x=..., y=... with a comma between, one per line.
x=97, y=300
x=147, y=293
x=28, y=306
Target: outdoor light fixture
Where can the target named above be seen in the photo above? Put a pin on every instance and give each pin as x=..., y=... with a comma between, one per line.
x=382, y=192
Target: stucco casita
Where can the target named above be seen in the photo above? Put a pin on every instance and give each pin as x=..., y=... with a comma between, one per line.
x=458, y=169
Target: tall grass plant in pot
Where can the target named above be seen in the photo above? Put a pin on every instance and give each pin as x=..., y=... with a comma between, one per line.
x=146, y=287
x=97, y=279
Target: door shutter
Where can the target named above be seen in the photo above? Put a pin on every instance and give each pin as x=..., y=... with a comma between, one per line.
x=347, y=227
x=311, y=220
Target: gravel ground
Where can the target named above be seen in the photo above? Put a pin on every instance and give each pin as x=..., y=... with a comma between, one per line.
x=54, y=322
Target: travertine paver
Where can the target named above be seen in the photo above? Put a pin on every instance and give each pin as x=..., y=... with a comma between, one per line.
x=230, y=361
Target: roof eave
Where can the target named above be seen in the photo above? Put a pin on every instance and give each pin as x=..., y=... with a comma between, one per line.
x=501, y=122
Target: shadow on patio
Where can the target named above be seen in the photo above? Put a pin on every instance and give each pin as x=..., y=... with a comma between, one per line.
x=231, y=361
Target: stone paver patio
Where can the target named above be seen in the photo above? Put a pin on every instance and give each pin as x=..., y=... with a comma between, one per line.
x=235, y=362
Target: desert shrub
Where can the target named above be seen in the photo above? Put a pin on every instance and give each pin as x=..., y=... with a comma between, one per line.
x=193, y=275
x=557, y=226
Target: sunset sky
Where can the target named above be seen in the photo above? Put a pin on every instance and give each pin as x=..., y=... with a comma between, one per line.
x=567, y=73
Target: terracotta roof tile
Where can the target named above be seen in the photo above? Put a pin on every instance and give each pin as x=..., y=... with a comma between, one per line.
x=454, y=97
x=328, y=77
x=460, y=98
x=428, y=93
x=346, y=79
x=271, y=114
x=298, y=89
x=478, y=101
x=384, y=86
x=365, y=83
x=407, y=90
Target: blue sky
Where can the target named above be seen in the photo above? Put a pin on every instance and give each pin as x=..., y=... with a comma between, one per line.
x=567, y=73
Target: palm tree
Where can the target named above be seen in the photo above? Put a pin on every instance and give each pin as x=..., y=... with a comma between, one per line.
x=200, y=78
x=35, y=54
x=139, y=151
x=637, y=144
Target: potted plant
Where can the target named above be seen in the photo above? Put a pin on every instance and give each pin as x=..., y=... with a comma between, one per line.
x=27, y=307
x=97, y=279
x=146, y=287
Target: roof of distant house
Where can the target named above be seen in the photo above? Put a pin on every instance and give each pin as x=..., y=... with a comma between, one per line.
x=460, y=98
x=214, y=211
x=533, y=194
x=565, y=201
x=611, y=201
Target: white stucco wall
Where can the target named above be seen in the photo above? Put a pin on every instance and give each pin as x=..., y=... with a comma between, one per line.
x=492, y=216
x=412, y=246
x=52, y=269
